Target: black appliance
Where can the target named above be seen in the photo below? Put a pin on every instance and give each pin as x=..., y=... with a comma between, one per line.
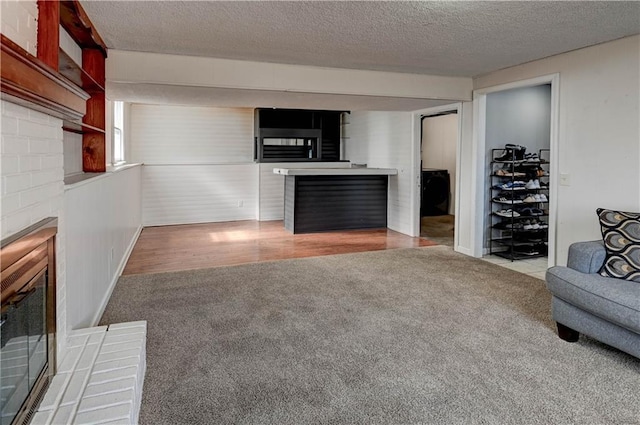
x=435, y=192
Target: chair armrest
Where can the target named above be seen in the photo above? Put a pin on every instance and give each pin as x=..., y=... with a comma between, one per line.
x=587, y=257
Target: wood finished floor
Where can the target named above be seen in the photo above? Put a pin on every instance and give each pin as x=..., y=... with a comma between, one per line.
x=195, y=246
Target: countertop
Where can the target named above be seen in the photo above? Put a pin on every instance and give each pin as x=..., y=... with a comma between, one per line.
x=335, y=171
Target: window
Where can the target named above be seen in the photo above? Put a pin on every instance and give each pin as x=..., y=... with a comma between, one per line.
x=118, y=134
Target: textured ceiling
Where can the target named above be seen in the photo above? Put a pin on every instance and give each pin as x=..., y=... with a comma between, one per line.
x=454, y=38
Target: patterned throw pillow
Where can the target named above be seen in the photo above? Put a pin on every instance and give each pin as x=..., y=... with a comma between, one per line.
x=621, y=235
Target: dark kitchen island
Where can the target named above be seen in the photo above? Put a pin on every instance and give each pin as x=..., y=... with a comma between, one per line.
x=326, y=199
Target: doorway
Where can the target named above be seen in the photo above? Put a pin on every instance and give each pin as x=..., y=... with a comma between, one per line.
x=483, y=184
x=438, y=157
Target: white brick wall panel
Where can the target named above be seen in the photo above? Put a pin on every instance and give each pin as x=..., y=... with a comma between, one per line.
x=9, y=125
x=102, y=401
x=88, y=357
x=71, y=358
x=14, y=145
x=39, y=211
x=16, y=183
x=52, y=161
x=30, y=163
x=42, y=417
x=39, y=146
x=54, y=393
x=110, y=387
x=10, y=204
x=96, y=338
x=41, y=178
x=77, y=340
x=113, y=375
x=122, y=346
x=75, y=389
x=123, y=363
x=10, y=164
x=113, y=413
x=37, y=194
x=31, y=128
x=55, y=146
x=64, y=415
x=13, y=110
x=119, y=355
x=14, y=222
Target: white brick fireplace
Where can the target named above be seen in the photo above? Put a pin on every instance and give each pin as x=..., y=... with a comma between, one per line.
x=32, y=185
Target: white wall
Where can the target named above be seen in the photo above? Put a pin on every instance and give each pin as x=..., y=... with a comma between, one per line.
x=599, y=132
x=140, y=67
x=72, y=145
x=520, y=116
x=466, y=209
x=102, y=218
x=181, y=194
x=19, y=22
x=70, y=47
x=191, y=135
x=439, y=145
x=32, y=187
x=385, y=139
x=198, y=163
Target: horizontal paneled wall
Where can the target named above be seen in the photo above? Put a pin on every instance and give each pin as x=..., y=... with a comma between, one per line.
x=198, y=163
x=102, y=218
x=179, y=194
x=166, y=134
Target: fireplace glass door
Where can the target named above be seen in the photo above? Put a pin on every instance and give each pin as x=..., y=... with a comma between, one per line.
x=23, y=351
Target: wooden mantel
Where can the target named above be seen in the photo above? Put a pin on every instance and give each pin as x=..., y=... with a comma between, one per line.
x=54, y=84
x=28, y=81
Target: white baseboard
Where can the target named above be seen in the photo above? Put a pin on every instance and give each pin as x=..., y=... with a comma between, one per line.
x=116, y=276
x=463, y=250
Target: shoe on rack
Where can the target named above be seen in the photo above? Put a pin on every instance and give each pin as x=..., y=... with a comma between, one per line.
x=512, y=153
x=526, y=250
x=530, y=199
x=533, y=184
x=532, y=157
x=538, y=198
x=507, y=213
x=543, y=197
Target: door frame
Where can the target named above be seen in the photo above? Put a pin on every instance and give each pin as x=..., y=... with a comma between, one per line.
x=417, y=171
x=479, y=158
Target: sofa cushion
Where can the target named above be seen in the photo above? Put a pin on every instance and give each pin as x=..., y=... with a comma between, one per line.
x=587, y=257
x=615, y=300
x=621, y=235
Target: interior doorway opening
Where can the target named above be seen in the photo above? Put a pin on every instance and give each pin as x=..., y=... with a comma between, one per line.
x=438, y=162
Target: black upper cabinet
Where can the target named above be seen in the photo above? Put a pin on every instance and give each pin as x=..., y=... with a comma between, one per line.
x=283, y=135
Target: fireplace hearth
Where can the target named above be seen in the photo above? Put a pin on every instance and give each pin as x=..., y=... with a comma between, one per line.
x=27, y=320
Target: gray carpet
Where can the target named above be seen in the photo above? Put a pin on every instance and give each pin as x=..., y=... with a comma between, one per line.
x=419, y=335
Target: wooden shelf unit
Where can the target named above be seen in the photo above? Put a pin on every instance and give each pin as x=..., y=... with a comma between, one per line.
x=90, y=77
